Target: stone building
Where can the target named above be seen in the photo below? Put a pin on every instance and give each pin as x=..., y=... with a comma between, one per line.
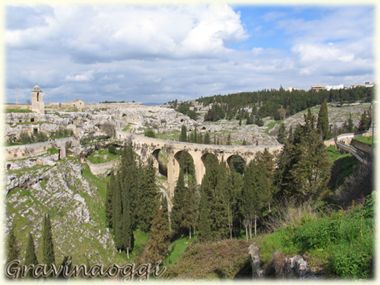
x=38, y=105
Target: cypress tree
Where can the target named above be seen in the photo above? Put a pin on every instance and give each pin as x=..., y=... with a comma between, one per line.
x=129, y=189
x=304, y=169
x=323, y=121
x=256, y=193
x=281, y=136
x=229, y=139
x=177, y=214
x=13, y=250
x=206, y=138
x=48, y=256
x=30, y=255
x=158, y=244
x=350, y=124
x=108, y=202
x=213, y=214
x=183, y=135
x=117, y=213
x=219, y=207
x=148, y=201
x=190, y=210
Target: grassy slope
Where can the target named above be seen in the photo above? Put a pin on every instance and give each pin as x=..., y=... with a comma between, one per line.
x=81, y=240
x=364, y=139
x=101, y=156
x=341, y=243
x=343, y=166
x=222, y=259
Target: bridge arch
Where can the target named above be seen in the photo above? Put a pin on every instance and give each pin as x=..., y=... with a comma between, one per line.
x=161, y=161
x=186, y=162
x=236, y=163
x=209, y=157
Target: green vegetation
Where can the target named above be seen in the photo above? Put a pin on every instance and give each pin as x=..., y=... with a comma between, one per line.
x=127, y=127
x=172, y=135
x=149, y=132
x=48, y=256
x=341, y=242
x=211, y=260
x=364, y=139
x=132, y=200
x=277, y=104
x=26, y=138
x=185, y=108
x=177, y=248
x=343, y=166
x=334, y=154
x=17, y=110
x=102, y=156
x=53, y=150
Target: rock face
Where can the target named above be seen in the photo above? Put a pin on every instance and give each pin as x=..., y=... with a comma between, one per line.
x=285, y=267
x=76, y=208
x=280, y=267
x=254, y=253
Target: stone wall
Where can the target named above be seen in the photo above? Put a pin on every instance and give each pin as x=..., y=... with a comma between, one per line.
x=35, y=149
x=102, y=168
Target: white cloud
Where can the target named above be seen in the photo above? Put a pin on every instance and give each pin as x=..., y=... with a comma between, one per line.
x=159, y=53
x=109, y=32
x=310, y=53
x=80, y=77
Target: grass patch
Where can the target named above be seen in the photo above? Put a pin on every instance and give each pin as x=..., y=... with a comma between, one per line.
x=342, y=243
x=141, y=238
x=334, y=154
x=102, y=156
x=172, y=135
x=364, y=139
x=211, y=260
x=53, y=150
x=17, y=110
x=177, y=248
x=127, y=127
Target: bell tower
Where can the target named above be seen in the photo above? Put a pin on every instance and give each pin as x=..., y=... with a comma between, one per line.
x=38, y=105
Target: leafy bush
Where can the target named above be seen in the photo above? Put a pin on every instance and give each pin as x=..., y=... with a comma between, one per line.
x=342, y=242
x=149, y=133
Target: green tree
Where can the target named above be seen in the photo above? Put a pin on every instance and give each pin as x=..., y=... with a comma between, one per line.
x=350, y=124
x=158, y=243
x=148, y=197
x=256, y=193
x=206, y=139
x=48, y=256
x=190, y=210
x=281, y=136
x=228, y=139
x=177, y=214
x=13, y=250
x=183, y=135
x=117, y=213
x=323, y=121
x=213, y=208
x=303, y=169
x=30, y=255
x=149, y=132
x=108, y=202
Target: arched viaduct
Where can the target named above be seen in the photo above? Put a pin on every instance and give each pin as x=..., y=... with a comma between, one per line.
x=147, y=147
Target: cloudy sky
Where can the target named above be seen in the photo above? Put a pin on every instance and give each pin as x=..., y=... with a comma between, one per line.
x=159, y=53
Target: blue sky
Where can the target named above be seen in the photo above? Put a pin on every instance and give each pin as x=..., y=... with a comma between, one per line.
x=161, y=53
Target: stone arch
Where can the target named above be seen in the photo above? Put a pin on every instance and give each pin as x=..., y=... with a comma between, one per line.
x=161, y=164
x=208, y=156
x=186, y=161
x=236, y=163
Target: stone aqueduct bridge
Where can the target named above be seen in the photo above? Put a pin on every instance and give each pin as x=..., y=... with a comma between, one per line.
x=147, y=147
